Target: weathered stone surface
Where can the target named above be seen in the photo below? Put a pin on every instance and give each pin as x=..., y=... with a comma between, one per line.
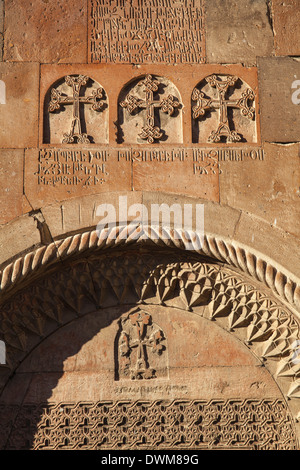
x=268, y=188
x=46, y=31
x=19, y=114
x=175, y=176
x=110, y=115
x=17, y=236
x=11, y=184
x=237, y=31
x=253, y=231
x=286, y=18
x=1, y=15
x=279, y=84
x=82, y=212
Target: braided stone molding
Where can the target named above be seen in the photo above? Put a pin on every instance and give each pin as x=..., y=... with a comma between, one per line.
x=226, y=251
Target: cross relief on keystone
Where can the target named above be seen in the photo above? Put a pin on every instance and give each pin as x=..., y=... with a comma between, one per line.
x=132, y=103
x=58, y=100
x=222, y=103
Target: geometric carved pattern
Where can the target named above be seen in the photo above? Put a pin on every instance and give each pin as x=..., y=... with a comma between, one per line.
x=161, y=424
x=225, y=251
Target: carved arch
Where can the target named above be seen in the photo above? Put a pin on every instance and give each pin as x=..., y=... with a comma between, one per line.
x=105, y=271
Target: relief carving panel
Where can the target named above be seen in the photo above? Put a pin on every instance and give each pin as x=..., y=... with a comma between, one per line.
x=141, y=345
x=161, y=424
x=223, y=110
x=185, y=331
x=75, y=101
x=159, y=102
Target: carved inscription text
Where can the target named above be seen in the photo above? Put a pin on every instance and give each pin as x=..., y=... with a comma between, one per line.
x=147, y=31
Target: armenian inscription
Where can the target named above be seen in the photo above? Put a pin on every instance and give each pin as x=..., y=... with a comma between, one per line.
x=147, y=31
x=86, y=168
x=72, y=167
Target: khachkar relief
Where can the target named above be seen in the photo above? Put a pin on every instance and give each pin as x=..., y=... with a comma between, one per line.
x=75, y=112
x=151, y=104
x=142, y=347
x=223, y=110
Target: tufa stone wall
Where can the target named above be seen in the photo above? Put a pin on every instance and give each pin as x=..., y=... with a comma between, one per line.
x=161, y=102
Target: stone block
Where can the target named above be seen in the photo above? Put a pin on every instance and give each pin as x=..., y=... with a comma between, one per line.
x=218, y=220
x=19, y=108
x=181, y=175
x=11, y=184
x=237, y=31
x=279, y=85
x=286, y=19
x=19, y=235
x=268, y=188
x=138, y=32
x=77, y=214
x=56, y=175
x=173, y=96
x=274, y=244
x=46, y=31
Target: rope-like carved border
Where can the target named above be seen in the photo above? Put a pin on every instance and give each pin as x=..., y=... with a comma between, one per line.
x=209, y=245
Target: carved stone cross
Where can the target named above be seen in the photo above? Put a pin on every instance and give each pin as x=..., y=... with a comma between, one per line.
x=139, y=334
x=222, y=103
x=58, y=99
x=150, y=132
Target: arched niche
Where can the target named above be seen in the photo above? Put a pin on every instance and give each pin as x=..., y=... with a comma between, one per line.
x=226, y=352
x=75, y=112
x=149, y=112
x=223, y=111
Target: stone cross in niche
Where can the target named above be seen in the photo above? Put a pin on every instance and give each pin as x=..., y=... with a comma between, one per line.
x=140, y=335
x=58, y=100
x=150, y=132
x=222, y=103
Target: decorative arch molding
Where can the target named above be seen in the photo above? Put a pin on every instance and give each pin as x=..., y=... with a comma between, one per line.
x=106, y=269
x=249, y=261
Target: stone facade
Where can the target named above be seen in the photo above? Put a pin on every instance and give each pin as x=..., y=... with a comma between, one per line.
x=149, y=224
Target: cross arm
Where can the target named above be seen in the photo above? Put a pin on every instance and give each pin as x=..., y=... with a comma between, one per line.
x=203, y=104
x=58, y=99
x=131, y=103
x=94, y=99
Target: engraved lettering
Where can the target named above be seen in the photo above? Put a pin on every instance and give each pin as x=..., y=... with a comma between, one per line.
x=150, y=31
